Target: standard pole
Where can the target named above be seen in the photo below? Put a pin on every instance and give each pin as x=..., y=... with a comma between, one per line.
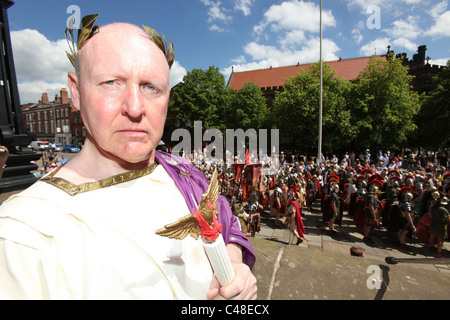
x=319, y=151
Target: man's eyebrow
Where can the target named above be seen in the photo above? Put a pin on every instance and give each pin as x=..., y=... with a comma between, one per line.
x=159, y=81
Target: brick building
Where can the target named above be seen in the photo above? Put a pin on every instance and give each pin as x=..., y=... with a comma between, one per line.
x=54, y=121
x=272, y=80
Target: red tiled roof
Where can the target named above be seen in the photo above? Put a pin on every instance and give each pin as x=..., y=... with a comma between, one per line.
x=347, y=69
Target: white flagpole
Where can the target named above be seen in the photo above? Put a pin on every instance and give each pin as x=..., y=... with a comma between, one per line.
x=319, y=151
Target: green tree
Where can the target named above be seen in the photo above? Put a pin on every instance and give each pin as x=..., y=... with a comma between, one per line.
x=384, y=105
x=248, y=108
x=202, y=96
x=296, y=110
x=434, y=116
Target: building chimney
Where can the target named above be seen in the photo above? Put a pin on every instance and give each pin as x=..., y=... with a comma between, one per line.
x=44, y=98
x=64, y=96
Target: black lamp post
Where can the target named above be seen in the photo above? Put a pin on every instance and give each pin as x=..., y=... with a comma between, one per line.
x=17, y=173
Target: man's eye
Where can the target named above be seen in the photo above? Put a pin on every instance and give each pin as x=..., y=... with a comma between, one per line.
x=110, y=82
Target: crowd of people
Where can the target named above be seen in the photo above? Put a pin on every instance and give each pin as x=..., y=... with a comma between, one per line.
x=403, y=194
x=51, y=160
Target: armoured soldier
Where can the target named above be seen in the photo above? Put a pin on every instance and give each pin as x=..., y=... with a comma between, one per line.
x=440, y=219
x=253, y=211
x=361, y=190
x=278, y=202
x=333, y=210
x=405, y=222
x=371, y=214
x=294, y=220
x=392, y=189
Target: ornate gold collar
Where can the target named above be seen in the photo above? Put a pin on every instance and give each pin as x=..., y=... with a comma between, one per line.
x=74, y=189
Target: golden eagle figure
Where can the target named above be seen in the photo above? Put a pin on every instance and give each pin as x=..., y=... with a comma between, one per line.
x=189, y=225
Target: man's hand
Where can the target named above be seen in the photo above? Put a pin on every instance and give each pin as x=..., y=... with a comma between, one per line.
x=243, y=286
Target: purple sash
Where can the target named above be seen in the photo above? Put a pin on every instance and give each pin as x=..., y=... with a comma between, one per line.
x=192, y=184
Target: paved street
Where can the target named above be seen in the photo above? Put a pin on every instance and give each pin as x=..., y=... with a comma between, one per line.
x=324, y=269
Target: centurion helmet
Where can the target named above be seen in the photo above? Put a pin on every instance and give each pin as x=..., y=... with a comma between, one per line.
x=335, y=187
x=407, y=193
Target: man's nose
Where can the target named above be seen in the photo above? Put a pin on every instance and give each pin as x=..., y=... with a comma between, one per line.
x=133, y=104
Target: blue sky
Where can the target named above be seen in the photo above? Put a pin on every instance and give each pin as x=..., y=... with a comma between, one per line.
x=246, y=34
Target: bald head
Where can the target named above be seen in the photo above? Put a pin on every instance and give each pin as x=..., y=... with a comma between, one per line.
x=115, y=38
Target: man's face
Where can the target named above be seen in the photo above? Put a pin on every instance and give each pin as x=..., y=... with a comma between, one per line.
x=123, y=93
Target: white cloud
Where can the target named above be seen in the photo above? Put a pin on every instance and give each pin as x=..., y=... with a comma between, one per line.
x=244, y=6
x=41, y=65
x=285, y=17
x=215, y=27
x=264, y=56
x=357, y=32
x=38, y=58
x=408, y=28
x=177, y=72
x=441, y=20
x=220, y=14
x=375, y=47
x=441, y=26
x=217, y=13
x=401, y=44
x=363, y=4
x=441, y=62
x=379, y=46
x=411, y=1
x=31, y=91
x=287, y=40
x=438, y=9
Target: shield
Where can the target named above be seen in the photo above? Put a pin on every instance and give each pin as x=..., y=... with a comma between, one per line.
x=423, y=228
x=394, y=214
x=358, y=219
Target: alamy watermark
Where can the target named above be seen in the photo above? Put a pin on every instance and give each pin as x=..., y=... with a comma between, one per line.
x=374, y=281
x=374, y=20
x=237, y=149
x=74, y=20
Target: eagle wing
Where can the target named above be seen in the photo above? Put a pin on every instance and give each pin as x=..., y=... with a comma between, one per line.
x=213, y=190
x=188, y=225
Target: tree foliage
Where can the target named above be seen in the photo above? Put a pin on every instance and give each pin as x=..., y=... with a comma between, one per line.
x=202, y=96
x=248, y=108
x=296, y=109
x=434, y=116
x=384, y=105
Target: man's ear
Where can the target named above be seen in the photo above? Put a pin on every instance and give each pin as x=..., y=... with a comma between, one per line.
x=74, y=90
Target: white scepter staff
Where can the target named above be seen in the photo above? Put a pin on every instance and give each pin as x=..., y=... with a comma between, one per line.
x=203, y=222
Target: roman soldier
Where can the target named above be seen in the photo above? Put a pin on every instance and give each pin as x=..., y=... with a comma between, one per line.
x=440, y=218
x=334, y=205
x=392, y=190
x=445, y=181
x=405, y=222
x=409, y=181
x=371, y=209
x=278, y=201
x=294, y=220
x=253, y=210
x=361, y=182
